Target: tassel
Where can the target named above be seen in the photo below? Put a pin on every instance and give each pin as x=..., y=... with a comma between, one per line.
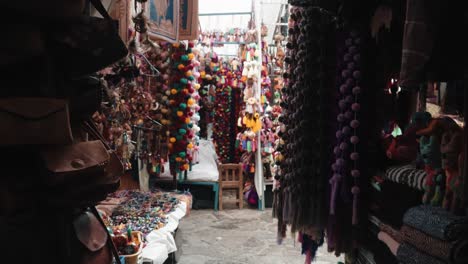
x=355, y=191
x=334, y=187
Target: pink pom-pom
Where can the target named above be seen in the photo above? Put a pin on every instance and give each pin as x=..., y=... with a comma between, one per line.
x=337, y=151
x=345, y=73
x=334, y=167
x=356, y=90
x=349, y=99
x=346, y=130
x=356, y=107
x=357, y=75
x=340, y=162
x=343, y=146
x=354, y=156
x=343, y=89
x=349, y=115
x=340, y=118
x=338, y=134
x=354, y=140
x=355, y=124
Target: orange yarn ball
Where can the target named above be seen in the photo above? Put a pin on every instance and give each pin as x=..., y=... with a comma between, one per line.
x=180, y=113
x=173, y=91
x=172, y=140
x=186, y=166
x=191, y=56
x=178, y=159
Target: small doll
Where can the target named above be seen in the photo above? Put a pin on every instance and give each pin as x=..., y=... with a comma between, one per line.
x=430, y=155
x=404, y=148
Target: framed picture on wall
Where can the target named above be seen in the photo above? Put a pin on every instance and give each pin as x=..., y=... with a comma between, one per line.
x=163, y=19
x=188, y=20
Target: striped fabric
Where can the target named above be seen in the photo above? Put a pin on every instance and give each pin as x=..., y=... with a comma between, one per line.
x=407, y=175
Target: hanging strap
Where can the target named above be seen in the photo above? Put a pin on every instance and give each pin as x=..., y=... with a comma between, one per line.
x=100, y=8
x=110, y=244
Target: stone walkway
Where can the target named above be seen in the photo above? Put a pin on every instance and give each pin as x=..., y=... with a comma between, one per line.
x=239, y=237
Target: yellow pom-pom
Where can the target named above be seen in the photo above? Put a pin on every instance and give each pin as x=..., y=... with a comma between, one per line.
x=190, y=102
x=186, y=166
x=189, y=73
x=172, y=140
x=203, y=74
x=191, y=56
x=173, y=91
x=180, y=113
x=190, y=146
x=196, y=86
x=176, y=45
x=187, y=120
x=140, y=122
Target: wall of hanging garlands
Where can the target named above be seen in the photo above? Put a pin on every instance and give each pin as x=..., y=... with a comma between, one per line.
x=227, y=106
x=183, y=100
x=153, y=102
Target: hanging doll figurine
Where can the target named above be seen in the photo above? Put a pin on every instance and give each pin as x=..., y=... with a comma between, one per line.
x=404, y=148
x=430, y=155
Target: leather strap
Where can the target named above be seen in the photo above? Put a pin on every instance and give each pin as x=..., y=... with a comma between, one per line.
x=110, y=244
x=100, y=8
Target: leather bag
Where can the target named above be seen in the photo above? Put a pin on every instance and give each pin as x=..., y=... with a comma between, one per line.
x=83, y=173
x=34, y=121
x=88, y=45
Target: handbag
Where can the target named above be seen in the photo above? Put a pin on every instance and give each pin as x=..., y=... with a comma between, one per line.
x=91, y=242
x=34, y=121
x=83, y=173
x=87, y=45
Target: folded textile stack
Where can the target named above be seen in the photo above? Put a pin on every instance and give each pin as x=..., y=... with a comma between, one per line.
x=429, y=235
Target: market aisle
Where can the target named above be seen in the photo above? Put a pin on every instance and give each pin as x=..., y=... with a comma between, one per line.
x=238, y=237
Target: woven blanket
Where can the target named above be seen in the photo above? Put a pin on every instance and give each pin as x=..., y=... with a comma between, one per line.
x=408, y=175
x=453, y=252
x=436, y=222
x=410, y=255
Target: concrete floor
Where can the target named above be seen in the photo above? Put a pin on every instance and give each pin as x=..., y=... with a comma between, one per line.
x=239, y=237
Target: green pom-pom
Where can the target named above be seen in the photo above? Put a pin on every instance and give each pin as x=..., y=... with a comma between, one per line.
x=190, y=125
x=182, y=154
x=183, y=106
x=191, y=78
x=184, y=81
x=179, y=137
x=437, y=198
x=184, y=57
x=182, y=131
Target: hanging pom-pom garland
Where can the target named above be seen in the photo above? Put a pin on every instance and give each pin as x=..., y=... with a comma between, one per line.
x=183, y=101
